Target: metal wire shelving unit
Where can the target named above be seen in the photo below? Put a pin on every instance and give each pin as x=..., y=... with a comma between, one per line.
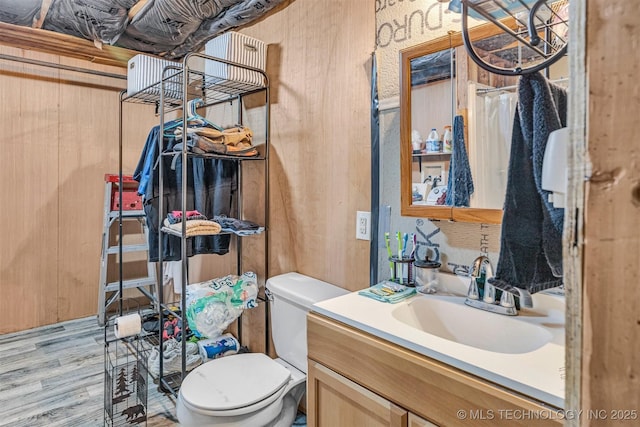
x=180, y=84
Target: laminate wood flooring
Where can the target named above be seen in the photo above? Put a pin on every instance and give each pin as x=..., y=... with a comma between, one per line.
x=54, y=376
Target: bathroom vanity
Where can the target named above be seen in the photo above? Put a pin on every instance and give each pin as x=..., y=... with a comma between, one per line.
x=363, y=373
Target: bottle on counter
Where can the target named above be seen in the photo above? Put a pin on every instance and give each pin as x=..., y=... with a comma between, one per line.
x=434, y=144
x=447, y=139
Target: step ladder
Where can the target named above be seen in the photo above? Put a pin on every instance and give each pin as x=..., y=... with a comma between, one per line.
x=109, y=292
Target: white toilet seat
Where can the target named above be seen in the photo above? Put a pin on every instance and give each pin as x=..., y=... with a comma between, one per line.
x=238, y=411
x=234, y=385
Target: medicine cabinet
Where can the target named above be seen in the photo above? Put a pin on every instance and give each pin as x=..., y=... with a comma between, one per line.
x=437, y=78
x=438, y=81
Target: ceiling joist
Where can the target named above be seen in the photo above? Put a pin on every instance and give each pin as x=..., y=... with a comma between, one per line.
x=63, y=44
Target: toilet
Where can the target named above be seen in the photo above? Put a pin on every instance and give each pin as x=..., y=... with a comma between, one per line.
x=251, y=389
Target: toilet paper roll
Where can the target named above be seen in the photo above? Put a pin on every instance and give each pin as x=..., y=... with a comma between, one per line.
x=126, y=326
x=217, y=347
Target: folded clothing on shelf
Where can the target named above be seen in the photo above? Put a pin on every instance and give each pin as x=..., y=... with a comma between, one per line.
x=176, y=216
x=387, y=291
x=240, y=227
x=195, y=227
x=207, y=145
x=235, y=141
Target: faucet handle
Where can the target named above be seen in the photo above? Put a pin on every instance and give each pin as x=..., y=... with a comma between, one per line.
x=489, y=293
x=473, y=292
x=506, y=300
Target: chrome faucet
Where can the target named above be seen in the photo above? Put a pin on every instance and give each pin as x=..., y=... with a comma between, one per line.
x=506, y=305
x=480, y=263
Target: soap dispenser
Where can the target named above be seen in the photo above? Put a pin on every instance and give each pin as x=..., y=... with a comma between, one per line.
x=554, y=167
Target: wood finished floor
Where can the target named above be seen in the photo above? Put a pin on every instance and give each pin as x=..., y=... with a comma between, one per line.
x=54, y=376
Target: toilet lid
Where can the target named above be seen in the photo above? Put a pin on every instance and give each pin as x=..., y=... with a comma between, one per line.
x=233, y=382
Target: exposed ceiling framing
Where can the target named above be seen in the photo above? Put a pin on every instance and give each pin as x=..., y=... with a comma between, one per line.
x=111, y=31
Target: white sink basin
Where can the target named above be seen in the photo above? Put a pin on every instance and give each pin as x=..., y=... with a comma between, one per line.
x=471, y=326
x=524, y=353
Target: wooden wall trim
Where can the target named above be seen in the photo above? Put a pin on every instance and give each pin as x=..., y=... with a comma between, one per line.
x=573, y=239
x=63, y=44
x=611, y=334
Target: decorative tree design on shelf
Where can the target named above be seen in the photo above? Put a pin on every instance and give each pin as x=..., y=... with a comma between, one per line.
x=134, y=378
x=122, y=391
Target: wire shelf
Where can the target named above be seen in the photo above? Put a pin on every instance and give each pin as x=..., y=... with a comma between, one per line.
x=210, y=88
x=536, y=29
x=216, y=156
x=196, y=79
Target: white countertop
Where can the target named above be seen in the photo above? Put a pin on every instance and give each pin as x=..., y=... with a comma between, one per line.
x=538, y=373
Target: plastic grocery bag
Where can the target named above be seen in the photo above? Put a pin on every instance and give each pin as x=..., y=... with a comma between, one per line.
x=214, y=304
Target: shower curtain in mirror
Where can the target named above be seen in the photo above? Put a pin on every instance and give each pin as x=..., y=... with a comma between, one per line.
x=490, y=118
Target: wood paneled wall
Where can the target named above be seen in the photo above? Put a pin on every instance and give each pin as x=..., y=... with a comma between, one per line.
x=611, y=291
x=60, y=136
x=319, y=62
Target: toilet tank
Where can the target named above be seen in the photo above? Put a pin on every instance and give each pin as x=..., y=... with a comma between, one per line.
x=293, y=295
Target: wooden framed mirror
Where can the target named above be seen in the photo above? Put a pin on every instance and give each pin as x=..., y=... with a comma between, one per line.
x=423, y=68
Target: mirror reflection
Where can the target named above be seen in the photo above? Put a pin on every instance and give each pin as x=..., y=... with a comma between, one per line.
x=445, y=88
x=432, y=95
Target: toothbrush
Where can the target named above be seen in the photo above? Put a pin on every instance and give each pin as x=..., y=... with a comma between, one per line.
x=388, y=243
x=400, y=256
x=414, y=244
x=405, y=237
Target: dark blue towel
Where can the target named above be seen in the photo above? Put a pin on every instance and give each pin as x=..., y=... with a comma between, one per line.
x=460, y=181
x=531, y=241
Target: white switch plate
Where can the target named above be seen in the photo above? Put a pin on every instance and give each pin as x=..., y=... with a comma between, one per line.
x=363, y=225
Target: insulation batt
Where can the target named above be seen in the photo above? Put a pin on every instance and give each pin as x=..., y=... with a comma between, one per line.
x=19, y=12
x=171, y=28
x=102, y=20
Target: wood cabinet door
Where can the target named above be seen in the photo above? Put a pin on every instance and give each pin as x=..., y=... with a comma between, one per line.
x=334, y=401
x=416, y=421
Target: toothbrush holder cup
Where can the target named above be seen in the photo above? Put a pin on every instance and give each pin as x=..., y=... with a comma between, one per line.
x=403, y=270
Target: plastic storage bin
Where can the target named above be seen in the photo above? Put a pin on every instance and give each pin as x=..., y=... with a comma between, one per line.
x=240, y=48
x=144, y=71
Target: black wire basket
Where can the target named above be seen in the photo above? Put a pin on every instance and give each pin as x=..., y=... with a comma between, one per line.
x=125, y=379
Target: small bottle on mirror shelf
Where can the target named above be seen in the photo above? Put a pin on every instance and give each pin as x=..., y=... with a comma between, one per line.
x=447, y=140
x=433, y=142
